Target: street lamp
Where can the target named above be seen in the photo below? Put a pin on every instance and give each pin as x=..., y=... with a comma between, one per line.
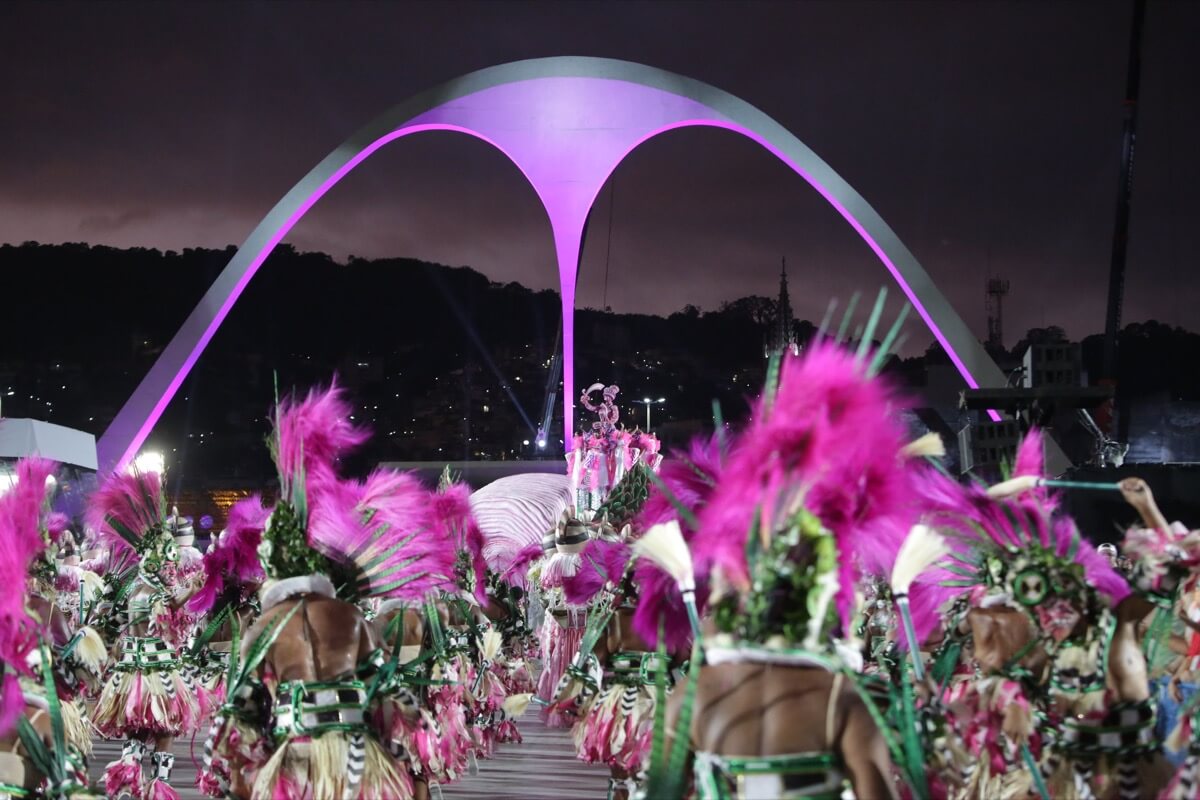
x=648, y=403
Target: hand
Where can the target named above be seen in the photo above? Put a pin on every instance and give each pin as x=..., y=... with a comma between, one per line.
x=1137, y=493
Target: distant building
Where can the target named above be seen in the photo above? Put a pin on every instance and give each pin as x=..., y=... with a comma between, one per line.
x=987, y=446
x=781, y=337
x=1058, y=364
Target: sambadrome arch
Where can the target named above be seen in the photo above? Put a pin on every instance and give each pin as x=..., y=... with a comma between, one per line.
x=566, y=123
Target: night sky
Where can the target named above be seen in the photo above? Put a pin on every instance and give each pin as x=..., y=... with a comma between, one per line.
x=986, y=133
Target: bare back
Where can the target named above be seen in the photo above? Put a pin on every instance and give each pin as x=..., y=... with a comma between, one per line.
x=324, y=640
x=762, y=710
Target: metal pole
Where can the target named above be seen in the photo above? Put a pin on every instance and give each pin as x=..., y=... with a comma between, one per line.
x=648, y=417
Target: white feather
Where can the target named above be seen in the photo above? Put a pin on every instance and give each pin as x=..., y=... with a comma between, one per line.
x=515, y=704
x=490, y=646
x=921, y=549
x=930, y=445
x=664, y=545
x=1013, y=487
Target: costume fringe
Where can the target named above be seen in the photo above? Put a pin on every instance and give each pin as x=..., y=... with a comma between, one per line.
x=152, y=702
x=316, y=769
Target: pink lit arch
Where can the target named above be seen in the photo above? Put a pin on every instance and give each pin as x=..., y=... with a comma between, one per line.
x=566, y=123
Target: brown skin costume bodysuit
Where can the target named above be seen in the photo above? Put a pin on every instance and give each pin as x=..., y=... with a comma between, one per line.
x=750, y=709
x=324, y=640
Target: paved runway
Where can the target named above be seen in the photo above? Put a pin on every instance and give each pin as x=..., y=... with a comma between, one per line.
x=543, y=767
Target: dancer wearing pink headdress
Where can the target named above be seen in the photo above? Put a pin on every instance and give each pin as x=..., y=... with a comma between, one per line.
x=306, y=716
x=147, y=700
x=30, y=668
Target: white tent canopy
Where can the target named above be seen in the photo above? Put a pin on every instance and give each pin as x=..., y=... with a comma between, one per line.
x=30, y=437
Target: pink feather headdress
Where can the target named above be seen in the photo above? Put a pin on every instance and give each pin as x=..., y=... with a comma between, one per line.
x=384, y=530
x=21, y=541
x=830, y=440
x=454, y=522
x=312, y=434
x=602, y=562
x=1023, y=527
x=232, y=564
x=126, y=511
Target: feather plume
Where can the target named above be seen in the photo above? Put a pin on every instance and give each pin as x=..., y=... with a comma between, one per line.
x=831, y=436
x=1031, y=459
x=125, y=508
x=382, y=528
x=490, y=643
x=664, y=546
x=928, y=446
x=20, y=543
x=1012, y=487
x=517, y=572
x=90, y=650
x=454, y=521
x=922, y=548
x=690, y=477
x=313, y=433
x=57, y=524
x=601, y=562
x=515, y=704
x=233, y=562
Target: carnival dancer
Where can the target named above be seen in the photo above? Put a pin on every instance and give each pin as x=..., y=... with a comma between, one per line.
x=1162, y=562
x=563, y=626
x=147, y=700
x=227, y=601
x=303, y=710
x=811, y=496
x=42, y=754
x=609, y=686
x=1057, y=689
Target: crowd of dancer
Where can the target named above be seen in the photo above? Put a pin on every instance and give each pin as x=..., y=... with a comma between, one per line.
x=809, y=606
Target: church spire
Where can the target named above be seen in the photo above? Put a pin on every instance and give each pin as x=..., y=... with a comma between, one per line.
x=783, y=333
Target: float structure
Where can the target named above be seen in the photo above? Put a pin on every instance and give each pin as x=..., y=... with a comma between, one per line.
x=566, y=123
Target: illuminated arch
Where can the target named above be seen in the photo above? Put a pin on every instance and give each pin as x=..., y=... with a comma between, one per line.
x=566, y=123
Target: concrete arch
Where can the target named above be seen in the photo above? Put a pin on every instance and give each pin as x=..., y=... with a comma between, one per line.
x=566, y=123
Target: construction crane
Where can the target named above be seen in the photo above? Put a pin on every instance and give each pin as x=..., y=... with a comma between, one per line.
x=1120, y=240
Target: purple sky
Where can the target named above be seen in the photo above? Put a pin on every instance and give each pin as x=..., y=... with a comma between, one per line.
x=986, y=134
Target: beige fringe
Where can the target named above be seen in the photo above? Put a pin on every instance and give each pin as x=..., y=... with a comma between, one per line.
x=110, y=708
x=321, y=764
x=75, y=727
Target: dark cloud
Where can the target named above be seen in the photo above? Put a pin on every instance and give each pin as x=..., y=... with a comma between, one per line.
x=986, y=134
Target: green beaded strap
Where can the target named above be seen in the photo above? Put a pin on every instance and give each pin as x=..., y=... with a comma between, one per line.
x=631, y=667
x=714, y=773
x=311, y=708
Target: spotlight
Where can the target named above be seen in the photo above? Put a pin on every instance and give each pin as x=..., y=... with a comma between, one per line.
x=149, y=461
